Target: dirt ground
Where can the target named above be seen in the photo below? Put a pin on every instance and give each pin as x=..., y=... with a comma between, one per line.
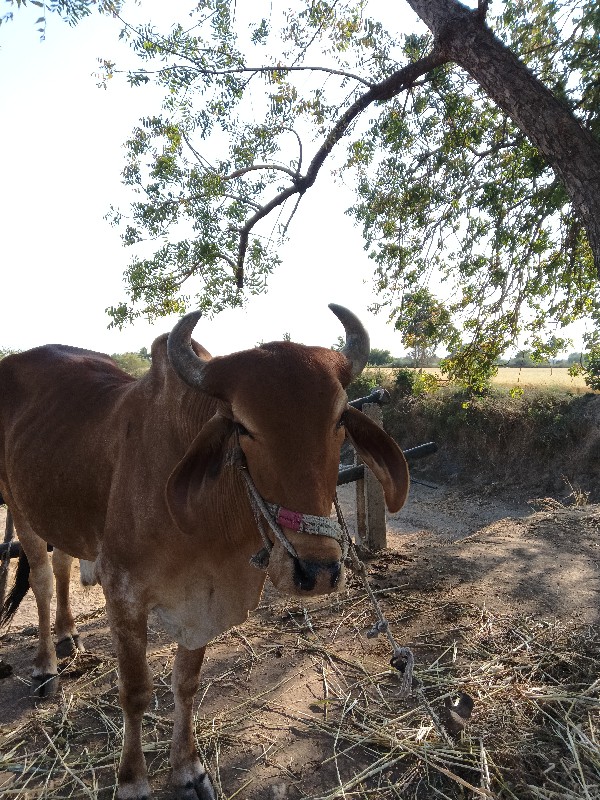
x=299, y=703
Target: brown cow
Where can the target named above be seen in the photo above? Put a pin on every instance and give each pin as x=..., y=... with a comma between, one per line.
x=179, y=485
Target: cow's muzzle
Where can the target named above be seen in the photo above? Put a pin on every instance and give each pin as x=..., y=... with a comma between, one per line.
x=306, y=573
x=277, y=518
x=288, y=570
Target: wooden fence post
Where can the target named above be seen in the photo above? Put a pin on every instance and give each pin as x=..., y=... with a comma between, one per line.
x=370, y=503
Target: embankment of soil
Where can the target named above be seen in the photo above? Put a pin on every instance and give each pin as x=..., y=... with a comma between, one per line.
x=544, y=443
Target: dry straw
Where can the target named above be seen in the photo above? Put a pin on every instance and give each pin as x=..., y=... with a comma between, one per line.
x=306, y=676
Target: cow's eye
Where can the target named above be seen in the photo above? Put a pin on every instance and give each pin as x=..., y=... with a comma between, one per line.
x=242, y=430
x=341, y=422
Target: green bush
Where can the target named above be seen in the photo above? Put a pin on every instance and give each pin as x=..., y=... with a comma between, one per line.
x=404, y=382
x=133, y=363
x=365, y=383
x=425, y=383
x=412, y=383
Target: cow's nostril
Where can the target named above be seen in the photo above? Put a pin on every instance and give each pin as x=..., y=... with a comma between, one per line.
x=306, y=572
x=335, y=570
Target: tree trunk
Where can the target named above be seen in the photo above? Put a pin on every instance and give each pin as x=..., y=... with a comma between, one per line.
x=572, y=151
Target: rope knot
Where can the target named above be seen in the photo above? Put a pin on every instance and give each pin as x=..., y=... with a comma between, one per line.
x=380, y=627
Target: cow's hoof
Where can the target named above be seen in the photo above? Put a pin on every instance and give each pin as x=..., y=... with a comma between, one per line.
x=44, y=686
x=138, y=790
x=67, y=647
x=199, y=789
x=121, y=796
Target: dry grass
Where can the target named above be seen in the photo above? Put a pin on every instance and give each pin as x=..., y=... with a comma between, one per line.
x=540, y=377
x=510, y=377
x=533, y=734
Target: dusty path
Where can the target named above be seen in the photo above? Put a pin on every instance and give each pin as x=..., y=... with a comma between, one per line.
x=534, y=556
x=273, y=713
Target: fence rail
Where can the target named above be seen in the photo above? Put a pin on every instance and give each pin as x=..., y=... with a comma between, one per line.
x=356, y=473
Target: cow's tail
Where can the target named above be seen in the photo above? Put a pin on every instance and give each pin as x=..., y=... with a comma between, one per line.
x=18, y=591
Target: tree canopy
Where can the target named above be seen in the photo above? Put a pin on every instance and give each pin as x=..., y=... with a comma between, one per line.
x=379, y=357
x=472, y=137
x=72, y=11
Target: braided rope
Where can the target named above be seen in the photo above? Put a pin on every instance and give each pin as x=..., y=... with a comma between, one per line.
x=262, y=514
x=402, y=657
x=273, y=514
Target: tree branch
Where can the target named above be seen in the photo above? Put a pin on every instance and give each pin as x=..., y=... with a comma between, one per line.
x=570, y=149
x=238, y=173
x=253, y=70
x=390, y=87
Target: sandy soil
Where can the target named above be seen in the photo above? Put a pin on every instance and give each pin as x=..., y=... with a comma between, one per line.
x=274, y=689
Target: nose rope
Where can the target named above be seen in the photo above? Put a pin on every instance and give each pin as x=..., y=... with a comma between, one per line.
x=278, y=517
x=402, y=657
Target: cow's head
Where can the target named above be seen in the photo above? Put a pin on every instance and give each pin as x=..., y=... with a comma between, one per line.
x=288, y=406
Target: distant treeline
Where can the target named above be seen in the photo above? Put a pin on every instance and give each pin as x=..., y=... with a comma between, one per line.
x=135, y=364
x=138, y=363
x=524, y=358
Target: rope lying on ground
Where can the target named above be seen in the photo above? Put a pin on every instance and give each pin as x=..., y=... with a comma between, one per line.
x=402, y=657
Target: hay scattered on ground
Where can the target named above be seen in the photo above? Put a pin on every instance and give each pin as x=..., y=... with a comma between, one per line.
x=533, y=733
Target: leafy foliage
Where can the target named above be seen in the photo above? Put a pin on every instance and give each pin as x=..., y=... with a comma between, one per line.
x=72, y=11
x=6, y=351
x=424, y=323
x=379, y=357
x=194, y=208
x=589, y=361
x=453, y=199
x=364, y=384
x=136, y=364
x=414, y=383
x=452, y=194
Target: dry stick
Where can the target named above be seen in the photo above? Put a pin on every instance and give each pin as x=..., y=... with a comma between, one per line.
x=375, y=769
x=241, y=789
x=573, y=749
x=65, y=766
x=484, y=769
x=462, y=782
x=335, y=741
x=325, y=691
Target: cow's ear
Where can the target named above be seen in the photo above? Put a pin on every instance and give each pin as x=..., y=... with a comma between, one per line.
x=202, y=462
x=381, y=454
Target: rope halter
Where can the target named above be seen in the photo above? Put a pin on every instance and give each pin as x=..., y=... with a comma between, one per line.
x=278, y=517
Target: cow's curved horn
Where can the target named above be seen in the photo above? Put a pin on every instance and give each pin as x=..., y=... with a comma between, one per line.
x=358, y=345
x=184, y=361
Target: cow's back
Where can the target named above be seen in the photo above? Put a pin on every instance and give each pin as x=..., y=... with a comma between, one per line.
x=58, y=430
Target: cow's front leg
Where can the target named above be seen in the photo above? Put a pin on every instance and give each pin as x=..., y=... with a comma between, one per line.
x=190, y=779
x=128, y=621
x=67, y=635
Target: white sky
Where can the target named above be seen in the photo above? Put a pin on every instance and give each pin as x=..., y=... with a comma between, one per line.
x=61, y=264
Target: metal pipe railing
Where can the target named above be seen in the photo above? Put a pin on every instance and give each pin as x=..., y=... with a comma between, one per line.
x=351, y=474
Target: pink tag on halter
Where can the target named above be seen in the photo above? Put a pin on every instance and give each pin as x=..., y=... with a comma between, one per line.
x=289, y=519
